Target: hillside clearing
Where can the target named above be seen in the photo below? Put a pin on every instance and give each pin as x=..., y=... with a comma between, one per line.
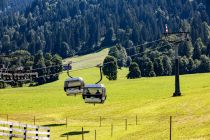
x=148, y=98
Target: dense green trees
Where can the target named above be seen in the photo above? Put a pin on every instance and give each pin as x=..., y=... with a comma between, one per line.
x=69, y=28
x=134, y=71
x=77, y=27
x=110, y=67
x=120, y=54
x=158, y=66
x=40, y=63
x=199, y=48
x=48, y=67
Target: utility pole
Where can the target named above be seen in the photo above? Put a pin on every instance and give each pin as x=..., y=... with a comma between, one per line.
x=177, y=82
x=180, y=37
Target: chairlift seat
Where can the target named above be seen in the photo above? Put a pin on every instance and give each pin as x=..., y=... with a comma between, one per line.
x=71, y=92
x=93, y=100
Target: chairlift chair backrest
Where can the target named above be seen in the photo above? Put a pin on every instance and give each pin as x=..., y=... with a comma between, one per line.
x=74, y=86
x=94, y=93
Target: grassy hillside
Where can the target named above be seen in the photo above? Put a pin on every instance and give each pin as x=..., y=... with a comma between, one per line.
x=87, y=60
x=148, y=98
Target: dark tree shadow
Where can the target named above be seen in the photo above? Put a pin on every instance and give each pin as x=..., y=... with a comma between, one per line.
x=53, y=125
x=73, y=133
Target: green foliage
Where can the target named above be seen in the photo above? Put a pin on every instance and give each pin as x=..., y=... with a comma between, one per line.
x=208, y=49
x=114, y=52
x=205, y=64
x=199, y=49
x=57, y=61
x=158, y=66
x=78, y=27
x=110, y=38
x=186, y=49
x=120, y=54
x=71, y=28
x=129, y=61
x=64, y=50
x=110, y=68
x=183, y=65
x=150, y=69
x=146, y=66
x=167, y=65
x=134, y=71
x=40, y=63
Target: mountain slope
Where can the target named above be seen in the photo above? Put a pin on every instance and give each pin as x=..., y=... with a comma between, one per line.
x=148, y=98
x=72, y=27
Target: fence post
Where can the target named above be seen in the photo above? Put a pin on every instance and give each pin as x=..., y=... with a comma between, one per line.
x=82, y=133
x=126, y=124
x=67, y=137
x=100, y=121
x=37, y=133
x=170, y=127
x=136, y=120
x=112, y=130
x=10, y=132
x=7, y=117
x=95, y=134
x=25, y=129
x=34, y=120
x=66, y=122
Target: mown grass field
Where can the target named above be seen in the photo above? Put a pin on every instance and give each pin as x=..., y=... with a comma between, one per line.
x=148, y=98
x=87, y=60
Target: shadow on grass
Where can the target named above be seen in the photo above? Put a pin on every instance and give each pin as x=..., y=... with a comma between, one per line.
x=74, y=133
x=53, y=125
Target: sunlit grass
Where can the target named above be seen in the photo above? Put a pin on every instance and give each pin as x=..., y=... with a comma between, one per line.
x=148, y=98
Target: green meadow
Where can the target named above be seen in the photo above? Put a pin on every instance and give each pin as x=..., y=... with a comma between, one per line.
x=145, y=103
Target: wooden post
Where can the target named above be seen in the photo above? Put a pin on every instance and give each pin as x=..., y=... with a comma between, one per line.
x=126, y=124
x=10, y=132
x=136, y=120
x=170, y=127
x=95, y=134
x=66, y=122
x=34, y=120
x=7, y=117
x=82, y=133
x=112, y=130
x=100, y=121
x=67, y=137
x=24, y=134
x=37, y=134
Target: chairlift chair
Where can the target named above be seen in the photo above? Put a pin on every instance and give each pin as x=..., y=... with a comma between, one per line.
x=73, y=86
x=95, y=93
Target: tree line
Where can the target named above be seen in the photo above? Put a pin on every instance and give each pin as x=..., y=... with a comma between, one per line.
x=46, y=66
x=78, y=27
x=69, y=28
x=158, y=60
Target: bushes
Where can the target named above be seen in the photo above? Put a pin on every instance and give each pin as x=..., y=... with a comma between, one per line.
x=134, y=71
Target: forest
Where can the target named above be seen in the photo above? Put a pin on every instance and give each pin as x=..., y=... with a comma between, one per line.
x=75, y=27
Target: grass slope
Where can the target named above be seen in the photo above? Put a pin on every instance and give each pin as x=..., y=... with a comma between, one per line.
x=88, y=60
x=148, y=98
